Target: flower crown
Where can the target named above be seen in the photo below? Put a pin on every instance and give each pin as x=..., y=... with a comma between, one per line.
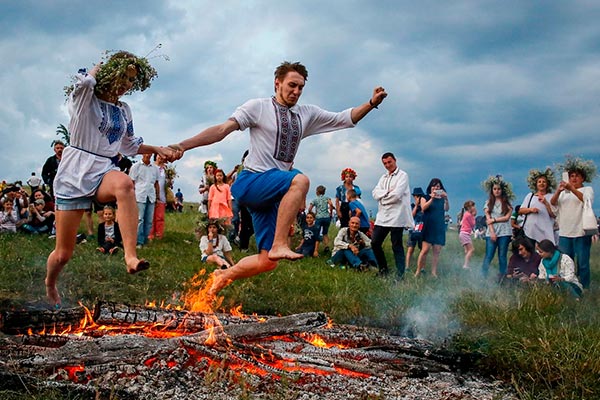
x=489, y=183
x=535, y=174
x=117, y=64
x=203, y=224
x=586, y=168
x=348, y=171
x=209, y=162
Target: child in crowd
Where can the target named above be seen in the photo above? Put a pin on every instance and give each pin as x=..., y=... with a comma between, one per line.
x=8, y=218
x=323, y=212
x=215, y=247
x=467, y=224
x=357, y=209
x=498, y=211
x=109, y=234
x=309, y=245
x=219, y=199
x=415, y=234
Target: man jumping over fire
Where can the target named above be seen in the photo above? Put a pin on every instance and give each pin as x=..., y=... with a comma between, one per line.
x=268, y=185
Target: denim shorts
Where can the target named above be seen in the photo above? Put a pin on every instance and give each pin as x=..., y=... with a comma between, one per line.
x=78, y=203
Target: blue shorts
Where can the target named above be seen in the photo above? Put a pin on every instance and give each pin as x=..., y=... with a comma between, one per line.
x=78, y=203
x=261, y=193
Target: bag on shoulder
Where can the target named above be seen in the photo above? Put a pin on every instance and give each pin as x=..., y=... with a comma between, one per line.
x=590, y=223
x=417, y=232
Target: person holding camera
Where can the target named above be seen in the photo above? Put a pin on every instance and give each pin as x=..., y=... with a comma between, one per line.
x=434, y=205
x=39, y=221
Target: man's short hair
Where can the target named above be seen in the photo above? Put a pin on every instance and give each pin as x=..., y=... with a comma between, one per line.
x=388, y=154
x=286, y=66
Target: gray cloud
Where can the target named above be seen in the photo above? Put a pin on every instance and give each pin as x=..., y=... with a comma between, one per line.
x=475, y=88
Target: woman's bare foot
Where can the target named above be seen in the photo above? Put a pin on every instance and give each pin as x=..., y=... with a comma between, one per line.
x=53, y=296
x=136, y=265
x=283, y=253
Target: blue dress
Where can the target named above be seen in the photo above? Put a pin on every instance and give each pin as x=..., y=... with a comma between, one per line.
x=434, y=226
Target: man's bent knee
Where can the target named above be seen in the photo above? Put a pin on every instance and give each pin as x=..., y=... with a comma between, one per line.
x=301, y=181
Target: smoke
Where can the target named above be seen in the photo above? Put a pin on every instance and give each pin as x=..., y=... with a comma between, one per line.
x=433, y=314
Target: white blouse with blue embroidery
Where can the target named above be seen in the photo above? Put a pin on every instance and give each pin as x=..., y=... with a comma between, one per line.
x=99, y=130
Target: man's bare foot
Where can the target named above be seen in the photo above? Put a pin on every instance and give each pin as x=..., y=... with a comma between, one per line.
x=137, y=265
x=53, y=296
x=219, y=281
x=283, y=253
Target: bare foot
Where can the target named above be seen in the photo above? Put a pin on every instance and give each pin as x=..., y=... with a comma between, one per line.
x=137, y=265
x=53, y=296
x=219, y=281
x=283, y=253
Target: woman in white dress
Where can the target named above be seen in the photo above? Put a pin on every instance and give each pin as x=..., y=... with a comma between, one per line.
x=539, y=215
x=100, y=127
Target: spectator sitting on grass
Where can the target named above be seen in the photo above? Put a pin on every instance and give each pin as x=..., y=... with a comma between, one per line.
x=8, y=218
x=353, y=247
x=558, y=269
x=524, y=262
x=39, y=221
x=215, y=247
x=309, y=245
x=109, y=234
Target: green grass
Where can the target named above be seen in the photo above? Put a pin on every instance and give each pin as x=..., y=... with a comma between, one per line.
x=545, y=344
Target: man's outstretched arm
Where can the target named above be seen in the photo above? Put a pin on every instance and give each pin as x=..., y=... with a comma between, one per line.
x=376, y=99
x=210, y=135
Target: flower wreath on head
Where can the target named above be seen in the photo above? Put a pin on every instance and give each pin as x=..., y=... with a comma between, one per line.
x=210, y=162
x=350, y=171
x=535, y=174
x=117, y=64
x=489, y=183
x=586, y=168
x=204, y=223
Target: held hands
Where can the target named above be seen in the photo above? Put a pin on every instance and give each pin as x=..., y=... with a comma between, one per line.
x=169, y=153
x=177, y=151
x=379, y=94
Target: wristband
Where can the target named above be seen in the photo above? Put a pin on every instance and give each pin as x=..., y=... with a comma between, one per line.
x=372, y=105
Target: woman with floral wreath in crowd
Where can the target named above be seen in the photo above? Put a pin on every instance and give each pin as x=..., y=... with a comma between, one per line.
x=101, y=126
x=498, y=211
x=570, y=200
x=538, y=220
x=342, y=207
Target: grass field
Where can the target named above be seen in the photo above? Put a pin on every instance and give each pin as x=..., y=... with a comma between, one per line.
x=544, y=344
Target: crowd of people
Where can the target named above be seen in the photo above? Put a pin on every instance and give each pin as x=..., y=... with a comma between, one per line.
x=265, y=195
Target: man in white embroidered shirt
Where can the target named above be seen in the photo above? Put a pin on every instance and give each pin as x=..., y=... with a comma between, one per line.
x=394, y=214
x=268, y=186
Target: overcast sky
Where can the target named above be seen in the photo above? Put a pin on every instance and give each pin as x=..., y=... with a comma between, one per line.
x=476, y=88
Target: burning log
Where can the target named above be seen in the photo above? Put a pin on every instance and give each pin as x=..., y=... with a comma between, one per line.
x=295, y=355
x=13, y=322
x=108, y=313
x=127, y=348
